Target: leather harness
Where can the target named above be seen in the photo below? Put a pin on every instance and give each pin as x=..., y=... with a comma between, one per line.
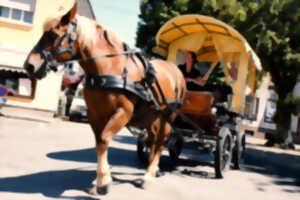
x=142, y=89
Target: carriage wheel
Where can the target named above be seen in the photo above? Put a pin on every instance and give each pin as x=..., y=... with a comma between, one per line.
x=175, y=146
x=143, y=150
x=223, y=152
x=238, y=150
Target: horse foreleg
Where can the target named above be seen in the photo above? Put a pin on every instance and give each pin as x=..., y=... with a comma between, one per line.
x=158, y=139
x=116, y=122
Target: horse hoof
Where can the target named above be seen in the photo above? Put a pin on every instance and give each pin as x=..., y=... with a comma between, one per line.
x=92, y=191
x=159, y=174
x=139, y=183
x=103, y=190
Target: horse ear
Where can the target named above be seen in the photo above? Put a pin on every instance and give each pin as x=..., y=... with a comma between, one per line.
x=67, y=18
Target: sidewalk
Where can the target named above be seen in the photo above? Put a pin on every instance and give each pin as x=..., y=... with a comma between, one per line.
x=27, y=114
x=281, y=157
x=259, y=144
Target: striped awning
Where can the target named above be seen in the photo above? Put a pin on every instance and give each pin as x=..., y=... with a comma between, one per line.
x=12, y=69
x=12, y=57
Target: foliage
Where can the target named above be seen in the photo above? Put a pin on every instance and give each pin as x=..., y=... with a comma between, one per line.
x=271, y=27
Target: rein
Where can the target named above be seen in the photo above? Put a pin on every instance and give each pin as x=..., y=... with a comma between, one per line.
x=129, y=52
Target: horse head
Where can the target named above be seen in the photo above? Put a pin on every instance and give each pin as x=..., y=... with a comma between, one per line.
x=57, y=44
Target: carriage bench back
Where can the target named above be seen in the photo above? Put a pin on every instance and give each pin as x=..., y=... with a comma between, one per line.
x=197, y=103
x=197, y=106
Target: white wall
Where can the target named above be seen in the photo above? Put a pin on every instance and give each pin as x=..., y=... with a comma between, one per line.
x=47, y=91
x=27, y=5
x=47, y=94
x=263, y=93
x=294, y=120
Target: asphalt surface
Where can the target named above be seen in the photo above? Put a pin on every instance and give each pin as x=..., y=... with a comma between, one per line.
x=56, y=160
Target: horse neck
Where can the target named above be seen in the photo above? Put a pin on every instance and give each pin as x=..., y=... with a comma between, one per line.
x=102, y=45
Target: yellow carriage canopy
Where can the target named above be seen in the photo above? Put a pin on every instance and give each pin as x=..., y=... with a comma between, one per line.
x=213, y=41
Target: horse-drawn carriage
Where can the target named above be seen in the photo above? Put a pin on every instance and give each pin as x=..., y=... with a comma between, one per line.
x=203, y=115
x=122, y=88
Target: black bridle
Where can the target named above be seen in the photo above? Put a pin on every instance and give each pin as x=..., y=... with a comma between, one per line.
x=50, y=55
x=51, y=64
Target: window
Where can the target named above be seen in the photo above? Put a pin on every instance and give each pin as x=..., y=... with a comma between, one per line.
x=251, y=107
x=18, y=11
x=4, y=12
x=270, y=111
x=18, y=85
x=28, y=16
x=16, y=14
x=12, y=85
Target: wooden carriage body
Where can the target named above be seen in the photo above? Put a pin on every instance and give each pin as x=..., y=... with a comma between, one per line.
x=213, y=42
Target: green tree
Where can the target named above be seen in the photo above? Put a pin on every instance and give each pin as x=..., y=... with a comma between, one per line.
x=271, y=27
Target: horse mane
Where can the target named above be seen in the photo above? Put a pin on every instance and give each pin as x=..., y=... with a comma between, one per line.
x=86, y=29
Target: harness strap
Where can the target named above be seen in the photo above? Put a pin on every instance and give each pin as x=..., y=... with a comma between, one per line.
x=73, y=37
x=125, y=70
x=147, y=78
x=131, y=56
x=176, y=79
x=109, y=82
x=143, y=90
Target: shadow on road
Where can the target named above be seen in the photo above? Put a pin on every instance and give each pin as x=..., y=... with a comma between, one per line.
x=128, y=158
x=125, y=139
x=55, y=183
x=116, y=156
x=283, y=167
x=50, y=183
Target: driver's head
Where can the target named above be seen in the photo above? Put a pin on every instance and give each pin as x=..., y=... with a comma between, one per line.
x=190, y=58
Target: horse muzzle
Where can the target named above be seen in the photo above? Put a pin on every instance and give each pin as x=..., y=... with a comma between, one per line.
x=39, y=74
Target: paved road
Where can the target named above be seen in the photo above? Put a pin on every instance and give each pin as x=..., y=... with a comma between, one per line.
x=56, y=160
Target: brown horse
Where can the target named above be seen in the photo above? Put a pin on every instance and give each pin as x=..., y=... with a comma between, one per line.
x=70, y=37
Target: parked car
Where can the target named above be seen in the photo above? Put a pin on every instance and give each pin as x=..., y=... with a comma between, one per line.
x=78, y=110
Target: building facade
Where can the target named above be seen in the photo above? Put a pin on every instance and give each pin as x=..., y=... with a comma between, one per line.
x=261, y=122
x=20, y=29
